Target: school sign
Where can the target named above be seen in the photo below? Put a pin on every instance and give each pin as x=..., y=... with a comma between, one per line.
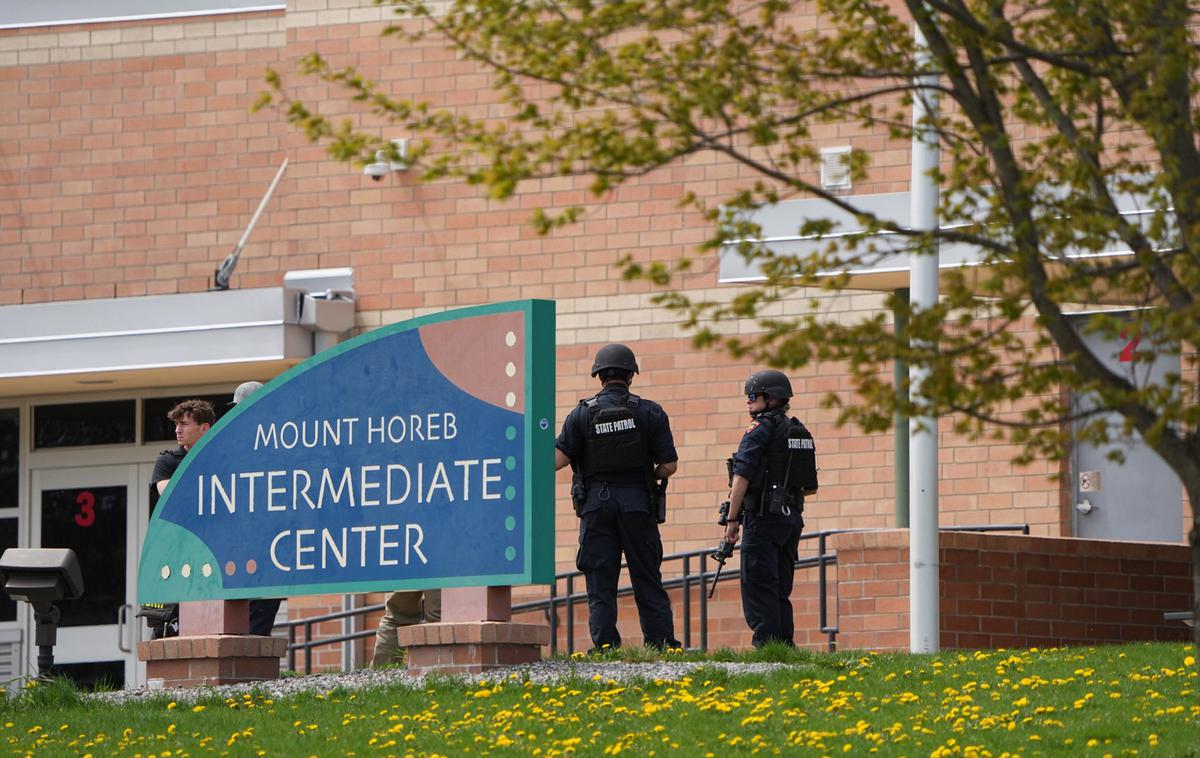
x=419, y=455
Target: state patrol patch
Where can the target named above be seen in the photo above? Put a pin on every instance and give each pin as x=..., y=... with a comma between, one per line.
x=754, y=425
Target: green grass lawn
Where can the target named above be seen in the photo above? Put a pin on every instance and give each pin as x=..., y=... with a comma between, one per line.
x=1128, y=700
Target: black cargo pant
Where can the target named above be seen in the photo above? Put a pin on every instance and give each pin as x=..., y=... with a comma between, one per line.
x=768, y=568
x=616, y=520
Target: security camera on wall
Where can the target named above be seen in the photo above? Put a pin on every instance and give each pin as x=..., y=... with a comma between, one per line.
x=384, y=165
x=378, y=169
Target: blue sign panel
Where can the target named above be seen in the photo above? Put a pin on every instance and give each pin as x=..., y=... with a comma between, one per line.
x=419, y=455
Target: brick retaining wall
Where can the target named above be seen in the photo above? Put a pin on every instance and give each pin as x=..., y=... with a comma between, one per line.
x=998, y=590
x=1002, y=590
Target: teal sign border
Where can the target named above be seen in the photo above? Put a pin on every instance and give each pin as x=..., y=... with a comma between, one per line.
x=167, y=541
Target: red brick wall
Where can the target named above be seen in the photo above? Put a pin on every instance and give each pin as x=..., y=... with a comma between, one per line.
x=1009, y=591
x=872, y=587
x=997, y=590
x=1001, y=590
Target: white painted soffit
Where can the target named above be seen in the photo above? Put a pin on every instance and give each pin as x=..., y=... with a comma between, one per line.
x=781, y=222
x=15, y=15
x=154, y=341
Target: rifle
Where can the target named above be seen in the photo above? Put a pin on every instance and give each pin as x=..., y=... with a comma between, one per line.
x=724, y=550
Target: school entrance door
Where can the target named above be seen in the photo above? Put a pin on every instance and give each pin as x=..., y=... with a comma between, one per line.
x=97, y=511
x=1139, y=498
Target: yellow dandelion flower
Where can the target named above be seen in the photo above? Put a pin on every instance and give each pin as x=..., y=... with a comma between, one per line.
x=197, y=708
x=171, y=705
x=1189, y=661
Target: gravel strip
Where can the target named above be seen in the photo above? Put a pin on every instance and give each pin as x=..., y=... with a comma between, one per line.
x=542, y=672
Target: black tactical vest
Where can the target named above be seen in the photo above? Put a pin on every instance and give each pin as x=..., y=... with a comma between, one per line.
x=789, y=468
x=614, y=442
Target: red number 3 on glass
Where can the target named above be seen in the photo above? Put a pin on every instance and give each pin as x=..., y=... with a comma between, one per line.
x=87, y=509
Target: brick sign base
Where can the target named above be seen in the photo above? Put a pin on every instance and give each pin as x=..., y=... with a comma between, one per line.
x=206, y=660
x=469, y=647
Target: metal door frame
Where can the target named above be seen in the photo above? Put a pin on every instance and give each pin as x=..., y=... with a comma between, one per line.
x=101, y=642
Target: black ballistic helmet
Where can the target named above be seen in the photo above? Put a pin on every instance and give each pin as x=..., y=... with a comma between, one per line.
x=774, y=384
x=614, y=356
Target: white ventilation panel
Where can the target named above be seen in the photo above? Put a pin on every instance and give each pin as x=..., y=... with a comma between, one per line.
x=10, y=655
x=835, y=168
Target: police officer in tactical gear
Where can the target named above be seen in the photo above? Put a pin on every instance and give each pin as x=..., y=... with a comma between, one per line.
x=619, y=446
x=771, y=472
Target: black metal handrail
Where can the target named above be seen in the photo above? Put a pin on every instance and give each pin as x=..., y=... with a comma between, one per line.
x=687, y=580
x=821, y=561
x=309, y=643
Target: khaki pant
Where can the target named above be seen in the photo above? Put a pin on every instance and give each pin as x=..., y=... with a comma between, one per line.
x=403, y=609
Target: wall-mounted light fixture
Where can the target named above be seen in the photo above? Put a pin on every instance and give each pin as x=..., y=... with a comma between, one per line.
x=384, y=165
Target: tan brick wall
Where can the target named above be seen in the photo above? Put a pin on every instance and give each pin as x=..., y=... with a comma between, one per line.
x=130, y=164
x=134, y=170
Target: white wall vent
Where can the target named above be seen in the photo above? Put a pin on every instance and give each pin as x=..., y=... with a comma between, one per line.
x=835, y=168
x=10, y=657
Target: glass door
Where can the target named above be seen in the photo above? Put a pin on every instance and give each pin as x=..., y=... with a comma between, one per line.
x=94, y=511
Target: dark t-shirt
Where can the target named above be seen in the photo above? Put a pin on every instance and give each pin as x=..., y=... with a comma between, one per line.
x=164, y=469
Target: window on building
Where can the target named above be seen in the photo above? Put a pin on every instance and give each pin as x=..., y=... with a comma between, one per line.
x=10, y=456
x=110, y=422
x=10, y=472
x=156, y=427
x=92, y=522
x=8, y=538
